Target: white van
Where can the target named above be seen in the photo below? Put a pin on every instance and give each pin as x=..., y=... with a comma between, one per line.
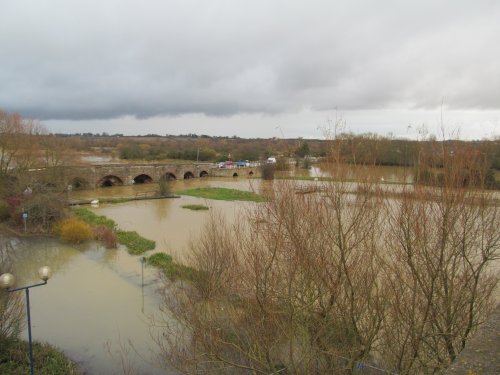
x=271, y=160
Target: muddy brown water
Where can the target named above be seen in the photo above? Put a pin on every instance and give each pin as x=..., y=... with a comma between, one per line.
x=94, y=305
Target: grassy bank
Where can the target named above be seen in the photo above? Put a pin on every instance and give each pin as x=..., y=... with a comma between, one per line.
x=223, y=194
x=136, y=244
x=47, y=360
x=173, y=270
x=93, y=219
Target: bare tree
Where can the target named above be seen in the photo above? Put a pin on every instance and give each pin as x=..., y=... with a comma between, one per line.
x=292, y=286
x=440, y=246
x=353, y=272
x=18, y=144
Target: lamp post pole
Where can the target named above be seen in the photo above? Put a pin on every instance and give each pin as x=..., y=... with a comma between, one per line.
x=142, y=281
x=7, y=280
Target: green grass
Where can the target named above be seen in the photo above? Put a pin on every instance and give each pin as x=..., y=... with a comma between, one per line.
x=47, y=360
x=174, y=271
x=93, y=219
x=195, y=207
x=136, y=244
x=223, y=194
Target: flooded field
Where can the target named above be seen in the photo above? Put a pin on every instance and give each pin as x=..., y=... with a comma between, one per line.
x=94, y=306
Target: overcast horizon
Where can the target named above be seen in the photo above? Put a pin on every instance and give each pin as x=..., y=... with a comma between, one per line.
x=274, y=68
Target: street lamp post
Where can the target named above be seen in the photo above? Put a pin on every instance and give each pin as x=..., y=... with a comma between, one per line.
x=7, y=281
x=143, y=259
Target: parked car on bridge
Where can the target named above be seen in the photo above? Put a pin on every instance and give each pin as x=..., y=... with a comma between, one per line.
x=243, y=163
x=227, y=164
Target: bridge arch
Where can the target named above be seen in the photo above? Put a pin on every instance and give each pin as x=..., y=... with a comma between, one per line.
x=78, y=183
x=169, y=176
x=203, y=174
x=110, y=180
x=143, y=179
x=188, y=175
x=235, y=174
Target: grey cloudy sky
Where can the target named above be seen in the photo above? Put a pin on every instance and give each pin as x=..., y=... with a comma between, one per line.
x=252, y=68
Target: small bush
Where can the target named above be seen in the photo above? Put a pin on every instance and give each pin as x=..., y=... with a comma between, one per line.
x=106, y=236
x=74, y=230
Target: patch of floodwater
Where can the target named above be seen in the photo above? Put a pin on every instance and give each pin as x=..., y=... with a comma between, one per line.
x=166, y=222
x=94, y=305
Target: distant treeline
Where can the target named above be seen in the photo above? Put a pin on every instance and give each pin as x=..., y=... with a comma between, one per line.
x=360, y=149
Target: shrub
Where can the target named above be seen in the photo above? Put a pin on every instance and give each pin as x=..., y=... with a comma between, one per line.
x=43, y=210
x=74, y=230
x=106, y=236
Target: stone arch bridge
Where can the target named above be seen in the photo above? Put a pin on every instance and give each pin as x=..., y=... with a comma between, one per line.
x=102, y=175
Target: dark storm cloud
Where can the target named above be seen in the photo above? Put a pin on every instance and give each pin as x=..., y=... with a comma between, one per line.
x=100, y=60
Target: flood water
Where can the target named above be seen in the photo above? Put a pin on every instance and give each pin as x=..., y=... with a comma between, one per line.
x=95, y=305
x=92, y=305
